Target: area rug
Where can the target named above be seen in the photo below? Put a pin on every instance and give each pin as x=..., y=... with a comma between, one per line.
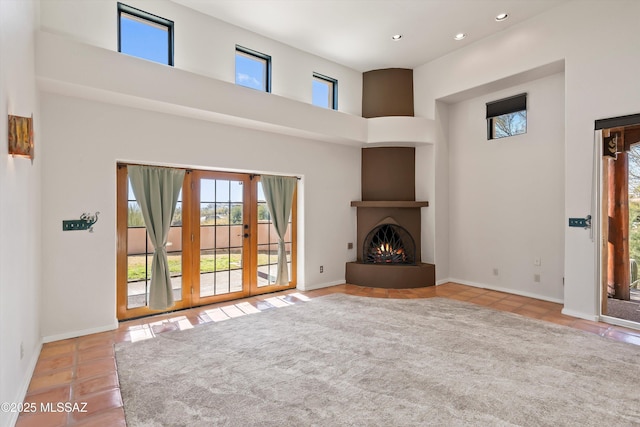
x=343, y=360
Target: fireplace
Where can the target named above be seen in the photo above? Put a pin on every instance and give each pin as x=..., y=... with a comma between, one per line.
x=389, y=243
x=388, y=223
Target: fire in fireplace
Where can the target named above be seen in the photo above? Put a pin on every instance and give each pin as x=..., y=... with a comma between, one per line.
x=389, y=244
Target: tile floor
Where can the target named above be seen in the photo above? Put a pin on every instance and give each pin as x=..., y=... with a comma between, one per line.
x=83, y=370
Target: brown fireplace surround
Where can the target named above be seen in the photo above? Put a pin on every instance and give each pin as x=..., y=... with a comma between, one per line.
x=388, y=196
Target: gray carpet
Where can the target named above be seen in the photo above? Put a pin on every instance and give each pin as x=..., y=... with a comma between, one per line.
x=342, y=360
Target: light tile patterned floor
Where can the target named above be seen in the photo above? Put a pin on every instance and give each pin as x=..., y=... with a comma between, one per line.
x=83, y=370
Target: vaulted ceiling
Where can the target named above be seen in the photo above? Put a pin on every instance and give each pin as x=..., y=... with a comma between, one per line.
x=357, y=33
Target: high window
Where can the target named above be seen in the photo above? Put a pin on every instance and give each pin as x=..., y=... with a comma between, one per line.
x=145, y=35
x=253, y=69
x=507, y=117
x=325, y=91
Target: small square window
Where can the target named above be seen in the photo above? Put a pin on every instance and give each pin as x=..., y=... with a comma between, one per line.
x=507, y=117
x=510, y=124
x=144, y=35
x=253, y=69
x=325, y=91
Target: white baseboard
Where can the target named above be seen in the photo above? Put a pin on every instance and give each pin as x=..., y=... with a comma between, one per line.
x=442, y=282
x=507, y=290
x=22, y=391
x=74, y=334
x=320, y=285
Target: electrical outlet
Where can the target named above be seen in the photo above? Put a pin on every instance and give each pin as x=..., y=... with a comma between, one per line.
x=349, y=245
x=321, y=269
x=495, y=271
x=536, y=278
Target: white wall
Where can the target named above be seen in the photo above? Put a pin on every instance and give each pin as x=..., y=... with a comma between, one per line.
x=85, y=139
x=77, y=69
x=206, y=46
x=20, y=207
x=589, y=37
x=441, y=171
x=598, y=42
x=506, y=198
x=180, y=124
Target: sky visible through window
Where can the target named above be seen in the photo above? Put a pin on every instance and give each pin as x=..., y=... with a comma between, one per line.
x=509, y=124
x=321, y=91
x=250, y=71
x=221, y=191
x=144, y=39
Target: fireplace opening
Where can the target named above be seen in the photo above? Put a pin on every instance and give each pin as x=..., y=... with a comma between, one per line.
x=389, y=244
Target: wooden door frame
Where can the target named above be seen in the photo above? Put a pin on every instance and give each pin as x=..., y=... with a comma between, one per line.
x=614, y=210
x=190, y=262
x=122, y=310
x=246, y=242
x=255, y=290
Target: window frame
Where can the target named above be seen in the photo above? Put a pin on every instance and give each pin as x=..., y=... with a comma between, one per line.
x=334, y=89
x=259, y=56
x=502, y=107
x=152, y=19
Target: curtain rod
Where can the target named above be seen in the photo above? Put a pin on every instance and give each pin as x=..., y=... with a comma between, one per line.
x=252, y=175
x=188, y=170
x=122, y=165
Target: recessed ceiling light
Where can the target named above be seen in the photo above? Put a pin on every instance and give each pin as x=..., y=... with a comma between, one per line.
x=459, y=36
x=396, y=37
x=501, y=17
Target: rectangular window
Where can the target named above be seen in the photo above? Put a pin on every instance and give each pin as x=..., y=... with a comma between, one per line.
x=325, y=91
x=145, y=35
x=507, y=117
x=253, y=69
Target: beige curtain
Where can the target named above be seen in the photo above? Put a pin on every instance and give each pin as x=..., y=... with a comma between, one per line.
x=278, y=191
x=157, y=190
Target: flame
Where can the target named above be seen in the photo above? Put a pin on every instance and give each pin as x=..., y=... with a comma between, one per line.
x=385, y=248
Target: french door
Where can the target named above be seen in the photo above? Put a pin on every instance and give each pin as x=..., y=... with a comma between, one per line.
x=222, y=244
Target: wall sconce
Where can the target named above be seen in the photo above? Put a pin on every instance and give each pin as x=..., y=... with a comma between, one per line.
x=21, y=136
x=85, y=222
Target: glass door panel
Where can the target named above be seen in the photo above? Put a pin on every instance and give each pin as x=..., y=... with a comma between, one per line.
x=140, y=253
x=267, y=244
x=135, y=253
x=221, y=234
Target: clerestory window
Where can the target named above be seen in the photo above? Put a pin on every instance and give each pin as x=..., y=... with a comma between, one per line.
x=145, y=35
x=325, y=91
x=507, y=117
x=253, y=69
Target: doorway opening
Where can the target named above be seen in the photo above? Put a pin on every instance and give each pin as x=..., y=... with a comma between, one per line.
x=620, y=213
x=222, y=243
